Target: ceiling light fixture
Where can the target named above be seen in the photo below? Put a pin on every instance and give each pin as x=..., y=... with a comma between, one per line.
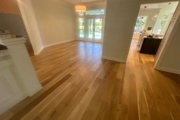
x=154, y=18
x=80, y=8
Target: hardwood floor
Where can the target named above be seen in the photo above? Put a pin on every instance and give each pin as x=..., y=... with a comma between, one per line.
x=79, y=85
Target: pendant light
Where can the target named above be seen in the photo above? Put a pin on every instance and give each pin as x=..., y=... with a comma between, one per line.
x=80, y=8
x=154, y=18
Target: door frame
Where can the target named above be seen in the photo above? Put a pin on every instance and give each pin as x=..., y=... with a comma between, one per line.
x=175, y=21
x=85, y=28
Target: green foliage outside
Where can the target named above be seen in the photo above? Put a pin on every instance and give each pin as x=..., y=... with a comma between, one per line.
x=162, y=24
x=140, y=23
x=98, y=23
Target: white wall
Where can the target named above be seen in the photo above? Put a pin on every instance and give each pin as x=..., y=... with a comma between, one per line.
x=120, y=21
x=12, y=23
x=29, y=19
x=171, y=60
x=95, y=5
x=169, y=54
x=56, y=21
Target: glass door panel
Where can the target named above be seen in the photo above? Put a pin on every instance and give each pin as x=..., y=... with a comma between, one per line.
x=98, y=29
x=81, y=27
x=90, y=28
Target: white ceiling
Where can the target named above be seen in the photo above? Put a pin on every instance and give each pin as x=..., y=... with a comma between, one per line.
x=150, y=6
x=157, y=5
x=103, y=3
x=83, y=1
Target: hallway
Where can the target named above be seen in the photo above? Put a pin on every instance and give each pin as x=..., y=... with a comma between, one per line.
x=79, y=85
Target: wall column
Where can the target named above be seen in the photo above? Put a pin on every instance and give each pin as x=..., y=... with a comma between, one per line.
x=120, y=20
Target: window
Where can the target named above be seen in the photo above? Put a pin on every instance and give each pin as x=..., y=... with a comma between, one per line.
x=140, y=23
x=162, y=24
x=90, y=25
x=81, y=27
x=95, y=12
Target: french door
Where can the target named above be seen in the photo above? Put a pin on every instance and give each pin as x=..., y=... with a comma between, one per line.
x=91, y=29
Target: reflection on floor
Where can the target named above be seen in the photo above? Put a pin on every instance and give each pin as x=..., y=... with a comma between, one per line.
x=79, y=85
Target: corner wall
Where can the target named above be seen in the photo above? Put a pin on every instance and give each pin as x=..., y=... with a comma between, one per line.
x=121, y=16
x=56, y=21
x=29, y=19
x=168, y=57
x=171, y=59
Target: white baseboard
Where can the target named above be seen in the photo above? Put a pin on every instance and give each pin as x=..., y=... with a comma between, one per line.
x=39, y=51
x=34, y=90
x=114, y=59
x=49, y=45
x=168, y=70
x=95, y=41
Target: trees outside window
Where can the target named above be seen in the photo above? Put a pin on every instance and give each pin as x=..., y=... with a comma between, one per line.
x=140, y=23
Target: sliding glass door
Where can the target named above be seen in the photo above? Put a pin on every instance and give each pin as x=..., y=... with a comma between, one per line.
x=81, y=27
x=91, y=29
x=98, y=29
x=94, y=29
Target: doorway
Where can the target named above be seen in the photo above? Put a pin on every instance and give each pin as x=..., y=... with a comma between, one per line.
x=153, y=39
x=94, y=28
x=91, y=29
x=157, y=17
